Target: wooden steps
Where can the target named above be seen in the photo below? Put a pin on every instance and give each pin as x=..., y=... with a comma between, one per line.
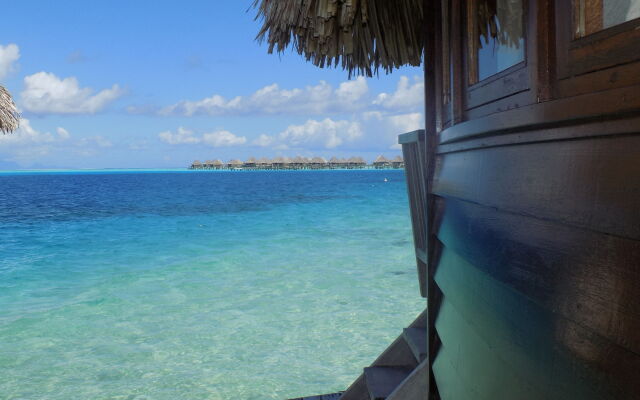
x=399, y=372
x=382, y=381
x=416, y=338
x=332, y=396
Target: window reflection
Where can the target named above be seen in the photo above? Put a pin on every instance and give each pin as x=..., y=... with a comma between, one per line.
x=499, y=37
x=595, y=15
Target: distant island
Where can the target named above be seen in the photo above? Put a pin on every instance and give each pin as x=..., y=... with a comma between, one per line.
x=299, y=163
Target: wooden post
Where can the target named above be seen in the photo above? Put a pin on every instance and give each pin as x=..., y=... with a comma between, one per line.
x=432, y=13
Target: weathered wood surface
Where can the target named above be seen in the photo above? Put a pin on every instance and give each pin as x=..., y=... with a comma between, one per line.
x=564, y=359
x=415, y=386
x=591, y=183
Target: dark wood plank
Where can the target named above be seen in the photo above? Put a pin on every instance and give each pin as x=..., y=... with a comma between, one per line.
x=382, y=381
x=601, y=105
x=590, y=278
x=450, y=384
x=592, y=128
x=479, y=366
x=592, y=183
x=357, y=390
x=555, y=353
x=415, y=387
x=514, y=101
x=505, y=84
x=416, y=338
x=331, y=396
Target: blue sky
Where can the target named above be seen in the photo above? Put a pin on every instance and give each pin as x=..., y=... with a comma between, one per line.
x=157, y=84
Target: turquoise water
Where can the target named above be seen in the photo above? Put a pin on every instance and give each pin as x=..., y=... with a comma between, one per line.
x=199, y=285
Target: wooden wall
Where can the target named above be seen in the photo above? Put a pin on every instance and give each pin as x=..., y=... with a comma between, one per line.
x=533, y=221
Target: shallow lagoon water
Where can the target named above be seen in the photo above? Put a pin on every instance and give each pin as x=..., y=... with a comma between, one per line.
x=200, y=285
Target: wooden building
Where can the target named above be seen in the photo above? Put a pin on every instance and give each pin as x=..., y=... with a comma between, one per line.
x=381, y=162
x=524, y=189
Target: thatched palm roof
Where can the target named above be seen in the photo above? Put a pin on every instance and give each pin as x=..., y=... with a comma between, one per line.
x=318, y=160
x=9, y=116
x=360, y=35
x=398, y=159
x=218, y=162
x=264, y=161
x=381, y=159
x=235, y=162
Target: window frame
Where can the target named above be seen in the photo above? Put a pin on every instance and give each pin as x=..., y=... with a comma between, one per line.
x=497, y=88
x=607, y=48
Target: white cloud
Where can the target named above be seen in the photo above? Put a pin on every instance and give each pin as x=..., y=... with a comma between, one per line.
x=319, y=99
x=220, y=138
x=9, y=54
x=408, y=96
x=183, y=136
x=326, y=133
x=263, y=141
x=27, y=135
x=94, y=141
x=63, y=133
x=45, y=93
x=223, y=139
x=384, y=129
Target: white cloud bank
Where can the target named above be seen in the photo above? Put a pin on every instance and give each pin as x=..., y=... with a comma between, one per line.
x=219, y=138
x=9, y=54
x=313, y=134
x=407, y=97
x=27, y=135
x=45, y=93
x=319, y=99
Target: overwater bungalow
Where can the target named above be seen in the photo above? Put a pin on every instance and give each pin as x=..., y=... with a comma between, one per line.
x=524, y=188
x=196, y=165
x=382, y=162
x=356, y=163
x=318, y=163
x=280, y=163
x=208, y=164
x=333, y=162
x=264, y=163
x=235, y=165
x=298, y=162
x=217, y=164
x=397, y=162
x=251, y=163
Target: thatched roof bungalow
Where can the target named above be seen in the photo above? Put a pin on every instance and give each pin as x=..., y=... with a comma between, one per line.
x=217, y=164
x=356, y=162
x=264, y=163
x=334, y=162
x=196, y=165
x=362, y=36
x=9, y=116
x=251, y=163
x=235, y=164
x=382, y=162
x=318, y=163
x=397, y=162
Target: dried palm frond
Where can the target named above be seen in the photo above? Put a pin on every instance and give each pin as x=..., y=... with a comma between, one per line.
x=360, y=35
x=9, y=116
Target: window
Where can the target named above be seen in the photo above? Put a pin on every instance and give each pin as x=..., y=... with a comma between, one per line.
x=603, y=34
x=496, y=37
x=591, y=16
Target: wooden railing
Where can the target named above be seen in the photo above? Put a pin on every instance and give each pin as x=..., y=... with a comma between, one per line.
x=413, y=150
